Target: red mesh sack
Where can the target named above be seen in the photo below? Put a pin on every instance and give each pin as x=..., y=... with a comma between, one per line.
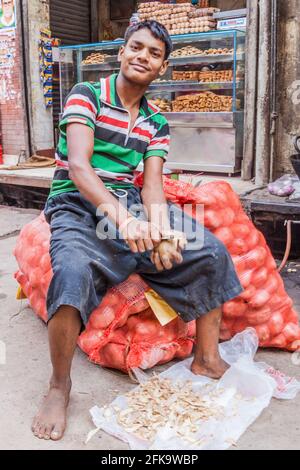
x=264, y=304
x=123, y=332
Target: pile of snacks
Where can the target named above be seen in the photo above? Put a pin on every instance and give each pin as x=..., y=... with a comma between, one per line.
x=202, y=24
x=202, y=102
x=146, y=409
x=216, y=76
x=190, y=51
x=164, y=105
x=197, y=13
x=187, y=51
x=186, y=75
x=95, y=58
x=211, y=76
x=178, y=18
x=218, y=51
x=194, y=25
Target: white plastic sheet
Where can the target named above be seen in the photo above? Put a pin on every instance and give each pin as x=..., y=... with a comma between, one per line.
x=247, y=388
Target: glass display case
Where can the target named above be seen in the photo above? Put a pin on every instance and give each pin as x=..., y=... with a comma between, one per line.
x=201, y=94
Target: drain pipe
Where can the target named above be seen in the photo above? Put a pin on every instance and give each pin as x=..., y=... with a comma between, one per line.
x=23, y=45
x=288, y=224
x=274, y=114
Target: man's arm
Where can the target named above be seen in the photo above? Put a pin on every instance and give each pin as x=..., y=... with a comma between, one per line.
x=80, y=139
x=153, y=195
x=156, y=207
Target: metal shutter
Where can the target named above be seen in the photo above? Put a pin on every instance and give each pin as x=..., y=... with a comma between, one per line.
x=70, y=21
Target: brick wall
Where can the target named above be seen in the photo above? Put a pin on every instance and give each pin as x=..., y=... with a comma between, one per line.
x=12, y=125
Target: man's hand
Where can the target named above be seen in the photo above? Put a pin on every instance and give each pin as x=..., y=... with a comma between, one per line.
x=169, y=250
x=141, y=236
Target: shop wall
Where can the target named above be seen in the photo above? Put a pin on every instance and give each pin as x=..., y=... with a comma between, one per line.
x=37, y=17
x=226, y=5
x=108, y=28
x=12, y=122
x=288, y=85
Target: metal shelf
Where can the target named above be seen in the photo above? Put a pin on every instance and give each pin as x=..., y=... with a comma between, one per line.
x=113, y=64
x=189, y=85
x=205, y=59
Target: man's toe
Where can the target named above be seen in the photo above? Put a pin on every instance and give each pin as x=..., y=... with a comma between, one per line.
x=42, y=430
x=36, y=429
x=48, y=432
x=34, y=424
x=57, y=432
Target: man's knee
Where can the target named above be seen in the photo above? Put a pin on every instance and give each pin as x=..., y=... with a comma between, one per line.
x=216, y=250
x=72, y=268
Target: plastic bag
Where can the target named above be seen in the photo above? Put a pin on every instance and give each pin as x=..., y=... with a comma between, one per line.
x=244, y=392
x=284, y=186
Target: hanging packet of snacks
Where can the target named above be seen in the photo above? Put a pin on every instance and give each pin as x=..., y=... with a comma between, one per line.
x=46, y=65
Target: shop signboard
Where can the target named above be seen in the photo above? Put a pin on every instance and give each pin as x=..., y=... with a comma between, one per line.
x=233, y=23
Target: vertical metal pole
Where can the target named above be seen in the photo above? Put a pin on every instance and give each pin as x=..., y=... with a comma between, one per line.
x=234, y=71
x=250, y=89
x=263, y=146
x=274, y=113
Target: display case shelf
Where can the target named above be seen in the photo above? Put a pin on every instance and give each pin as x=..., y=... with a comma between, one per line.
x=112, y=62
x=189, y=85
x=200, y=141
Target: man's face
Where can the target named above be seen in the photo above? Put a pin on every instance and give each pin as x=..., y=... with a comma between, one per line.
x=8, y=8
x=143, y=58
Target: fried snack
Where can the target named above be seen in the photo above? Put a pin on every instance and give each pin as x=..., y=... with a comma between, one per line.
x=202, y=102
x=95, y=58
x=186, y=409
x=206, y=77
x=191, y=51
x=177, y=17
x=164, y=105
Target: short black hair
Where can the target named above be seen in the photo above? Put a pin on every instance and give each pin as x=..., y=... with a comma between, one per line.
x=158, y=31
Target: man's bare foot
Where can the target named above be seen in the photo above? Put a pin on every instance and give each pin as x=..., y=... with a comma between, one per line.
x=213, y=369
x=50, y=422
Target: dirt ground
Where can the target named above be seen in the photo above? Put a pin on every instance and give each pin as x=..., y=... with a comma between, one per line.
x=24, y=375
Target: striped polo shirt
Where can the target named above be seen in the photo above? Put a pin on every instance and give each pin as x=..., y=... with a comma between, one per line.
x=117, y=150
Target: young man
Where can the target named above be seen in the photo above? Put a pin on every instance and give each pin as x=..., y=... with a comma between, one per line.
x=106, y=130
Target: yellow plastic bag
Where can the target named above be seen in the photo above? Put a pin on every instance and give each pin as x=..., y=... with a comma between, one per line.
x=162, y=310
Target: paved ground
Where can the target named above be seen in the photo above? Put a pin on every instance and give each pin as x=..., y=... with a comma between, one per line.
x=24, y=377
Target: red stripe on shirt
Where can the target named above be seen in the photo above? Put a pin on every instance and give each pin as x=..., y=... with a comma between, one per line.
x=78, y=102
x=113, y=122
x=61, y=163
x=152, y=107
x=140, y=131
x=162, y=142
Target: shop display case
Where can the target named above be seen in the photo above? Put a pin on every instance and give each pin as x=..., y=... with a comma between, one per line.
x=201, y=94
